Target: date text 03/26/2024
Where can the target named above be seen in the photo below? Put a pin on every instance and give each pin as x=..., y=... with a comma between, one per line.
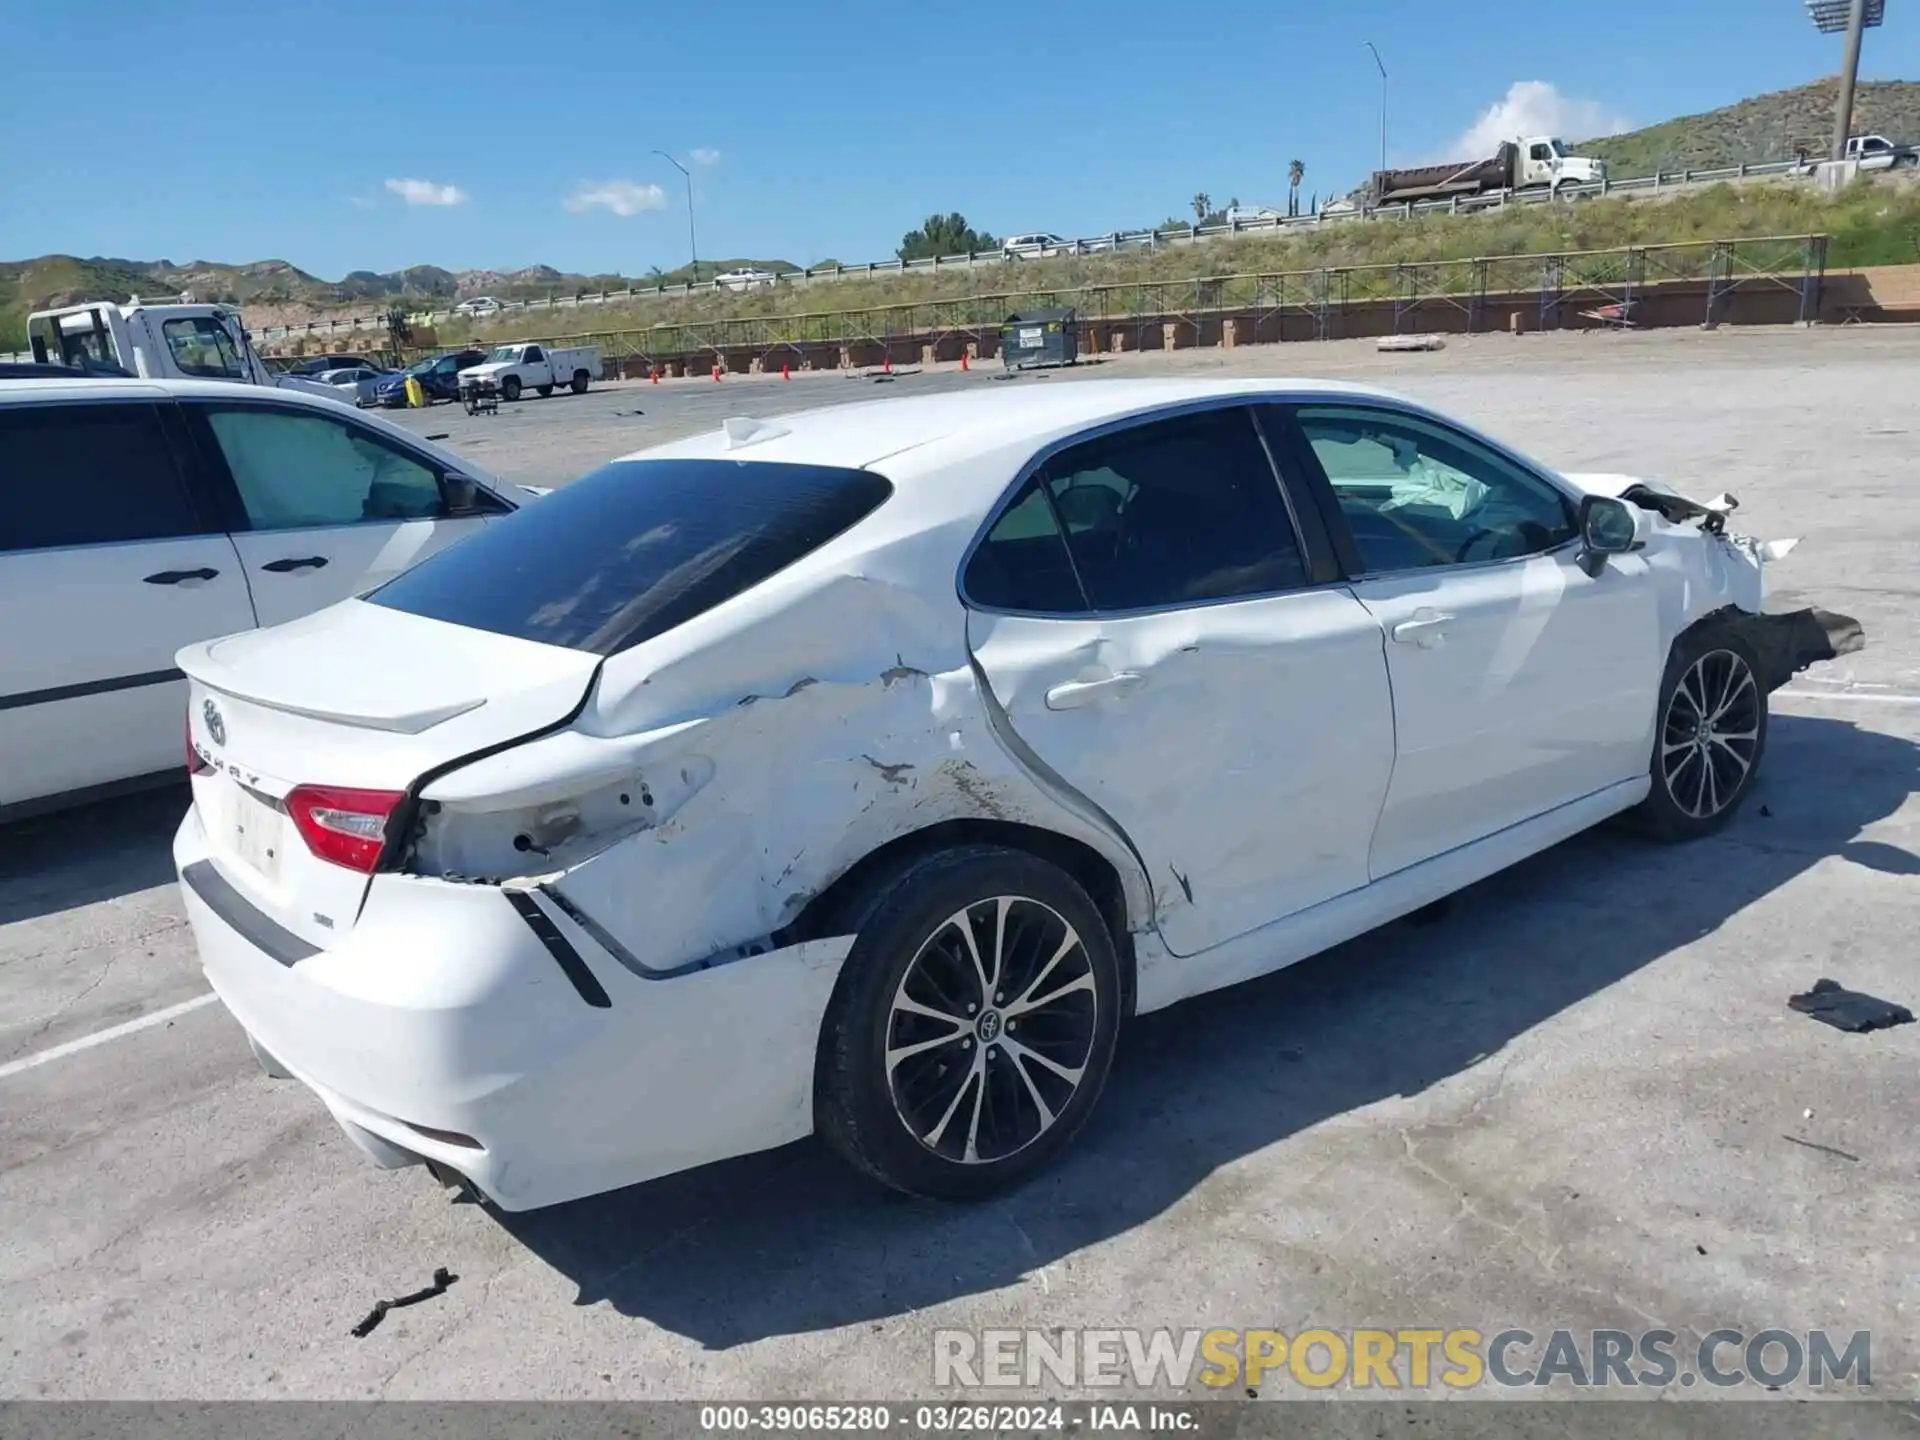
x=944, y=1419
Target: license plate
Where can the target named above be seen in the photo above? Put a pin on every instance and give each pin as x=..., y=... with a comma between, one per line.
x=1035, y=336
x=258, y=832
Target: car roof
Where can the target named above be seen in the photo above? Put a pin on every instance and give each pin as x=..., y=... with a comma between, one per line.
x=925, y=433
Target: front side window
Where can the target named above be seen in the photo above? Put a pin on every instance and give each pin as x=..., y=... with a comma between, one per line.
x=88, y=475
x=297, y=470
x=634, y=549
x=534, y=353
x=1176, y=512
x=1417, y=494
x=203, y=347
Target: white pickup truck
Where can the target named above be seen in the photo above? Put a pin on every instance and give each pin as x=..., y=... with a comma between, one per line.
x=184, y=341
x=509, y=370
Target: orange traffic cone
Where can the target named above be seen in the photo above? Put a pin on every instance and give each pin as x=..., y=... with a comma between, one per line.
x=655, y=374
x=886, y=365
x=963, y=360
x=785, y=374
x=716, y=374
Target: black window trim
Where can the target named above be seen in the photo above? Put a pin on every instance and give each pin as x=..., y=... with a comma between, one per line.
x=1315, y=476
x=1317, y=564
x=231, y=509
x=202, y=501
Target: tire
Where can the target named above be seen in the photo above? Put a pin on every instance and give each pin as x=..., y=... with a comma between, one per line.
x=579, y=382
x=1699, y=782
x=510, y=388
x=1016, y=1102
x=545, y=390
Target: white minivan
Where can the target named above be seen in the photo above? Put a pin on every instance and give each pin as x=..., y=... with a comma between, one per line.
x=138, y=516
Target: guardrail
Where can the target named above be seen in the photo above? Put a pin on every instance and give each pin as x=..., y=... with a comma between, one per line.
x=1088, y=245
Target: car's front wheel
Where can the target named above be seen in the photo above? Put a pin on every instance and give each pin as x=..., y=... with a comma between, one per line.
x=1709, y=738
x=510, y=388
x=973, y=1025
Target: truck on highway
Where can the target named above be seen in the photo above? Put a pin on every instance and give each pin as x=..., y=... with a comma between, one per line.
x=1540, y=160
x=510, y=370
x=1873, y=152
x=182, y=341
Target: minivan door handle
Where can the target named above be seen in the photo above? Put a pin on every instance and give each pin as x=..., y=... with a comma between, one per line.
x=309, y=562
x=175, y=577
x=1075, y=693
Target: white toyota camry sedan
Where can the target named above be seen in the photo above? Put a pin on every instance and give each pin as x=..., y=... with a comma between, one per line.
x=863, y=771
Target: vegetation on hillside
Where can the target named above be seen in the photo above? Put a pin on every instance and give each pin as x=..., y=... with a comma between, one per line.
x=1764, y=128
x=1874, y=222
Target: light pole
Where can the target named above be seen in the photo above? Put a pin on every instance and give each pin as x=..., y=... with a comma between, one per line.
x=1829, y=16
x=1383, y=103
x=693, y=248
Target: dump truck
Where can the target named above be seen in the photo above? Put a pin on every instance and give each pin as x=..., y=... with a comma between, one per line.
x=1537, y=161
x=180, y=341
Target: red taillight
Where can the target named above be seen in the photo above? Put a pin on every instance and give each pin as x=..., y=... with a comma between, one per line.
x=196, y=762
x=344, y=827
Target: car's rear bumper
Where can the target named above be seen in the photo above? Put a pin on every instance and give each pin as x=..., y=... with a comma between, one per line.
x=445, y=1014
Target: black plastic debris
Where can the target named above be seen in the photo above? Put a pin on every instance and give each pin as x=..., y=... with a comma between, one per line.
x=442, y=1279
x=1833, y=1004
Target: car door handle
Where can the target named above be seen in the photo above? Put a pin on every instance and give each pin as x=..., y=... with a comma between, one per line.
x=174, y=577
x=1075, y=693
x=309, y=562
x=1426, y=628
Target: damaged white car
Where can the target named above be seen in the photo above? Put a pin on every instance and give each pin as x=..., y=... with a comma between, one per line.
x=863, y=771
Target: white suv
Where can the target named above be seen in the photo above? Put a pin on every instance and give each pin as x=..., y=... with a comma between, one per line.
x=138, y=516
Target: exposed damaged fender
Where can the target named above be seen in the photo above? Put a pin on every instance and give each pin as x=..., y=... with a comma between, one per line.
x=1788, y=643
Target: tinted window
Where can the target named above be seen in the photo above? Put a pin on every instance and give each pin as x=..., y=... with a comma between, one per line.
x=1023, y=564
x=88, y=474
x=295, y=470
x=634, y=549
x=1416, y=494
x=1176, y=512
x=534, y=353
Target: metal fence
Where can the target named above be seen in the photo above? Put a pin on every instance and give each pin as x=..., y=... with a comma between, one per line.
x=1549, y=289
x=1089, y=245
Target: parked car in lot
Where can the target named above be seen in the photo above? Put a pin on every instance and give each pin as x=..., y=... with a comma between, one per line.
x=139, y=515
x=509, y=370
x=314, y=366
x=356, y=383
x=438, y=376
x=866, y=770
x=479, y=307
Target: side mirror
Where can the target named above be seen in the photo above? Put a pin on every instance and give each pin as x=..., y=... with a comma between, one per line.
x=463, y=495
x=1607, y=527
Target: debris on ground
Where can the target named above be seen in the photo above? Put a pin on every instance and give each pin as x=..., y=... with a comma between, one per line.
x=1823, y=1149
x=1394, y=343
x=442, y=1279
x=1832, y=1004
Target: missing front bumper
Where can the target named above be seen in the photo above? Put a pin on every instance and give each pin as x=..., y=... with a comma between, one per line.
x=1788, y=643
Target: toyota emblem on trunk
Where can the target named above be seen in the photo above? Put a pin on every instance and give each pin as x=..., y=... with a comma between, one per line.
x=216, y=723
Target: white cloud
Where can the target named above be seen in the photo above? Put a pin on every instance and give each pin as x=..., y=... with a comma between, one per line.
x=425, y=192
x=1534, y=107
x=704, y=157
x=622, y=197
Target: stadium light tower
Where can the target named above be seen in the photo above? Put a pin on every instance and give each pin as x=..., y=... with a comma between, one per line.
x=1853, y=16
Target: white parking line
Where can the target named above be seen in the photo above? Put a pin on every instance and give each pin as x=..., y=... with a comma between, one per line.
x=100, y=1037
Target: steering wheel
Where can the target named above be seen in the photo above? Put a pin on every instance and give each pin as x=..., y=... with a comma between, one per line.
x=1460, y=555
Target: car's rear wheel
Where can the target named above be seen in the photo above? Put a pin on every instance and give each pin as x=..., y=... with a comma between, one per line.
x=972, y=1027
x=579, y=382
x=510, y=388
x=1709, y=738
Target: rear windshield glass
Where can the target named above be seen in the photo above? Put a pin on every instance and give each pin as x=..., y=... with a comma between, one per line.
x=633, y=549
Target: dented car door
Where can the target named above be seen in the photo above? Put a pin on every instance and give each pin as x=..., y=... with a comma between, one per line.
x=1158, y=638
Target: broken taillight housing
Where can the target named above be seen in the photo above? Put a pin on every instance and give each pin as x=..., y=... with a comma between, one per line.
x=341, y=826
x=196, y=762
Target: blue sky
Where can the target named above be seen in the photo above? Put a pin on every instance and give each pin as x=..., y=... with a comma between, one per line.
x=216, y=129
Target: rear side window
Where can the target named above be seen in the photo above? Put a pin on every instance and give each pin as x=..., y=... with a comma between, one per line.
x=88, y=475
x=634, y=549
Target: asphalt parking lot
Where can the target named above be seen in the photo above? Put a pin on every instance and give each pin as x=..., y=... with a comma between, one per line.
x=1576, y=1098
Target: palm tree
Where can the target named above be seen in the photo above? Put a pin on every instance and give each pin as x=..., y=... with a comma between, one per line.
x=1202, y=207
x=1296, y=172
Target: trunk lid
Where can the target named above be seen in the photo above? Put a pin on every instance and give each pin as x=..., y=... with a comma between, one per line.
x=356, y=696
